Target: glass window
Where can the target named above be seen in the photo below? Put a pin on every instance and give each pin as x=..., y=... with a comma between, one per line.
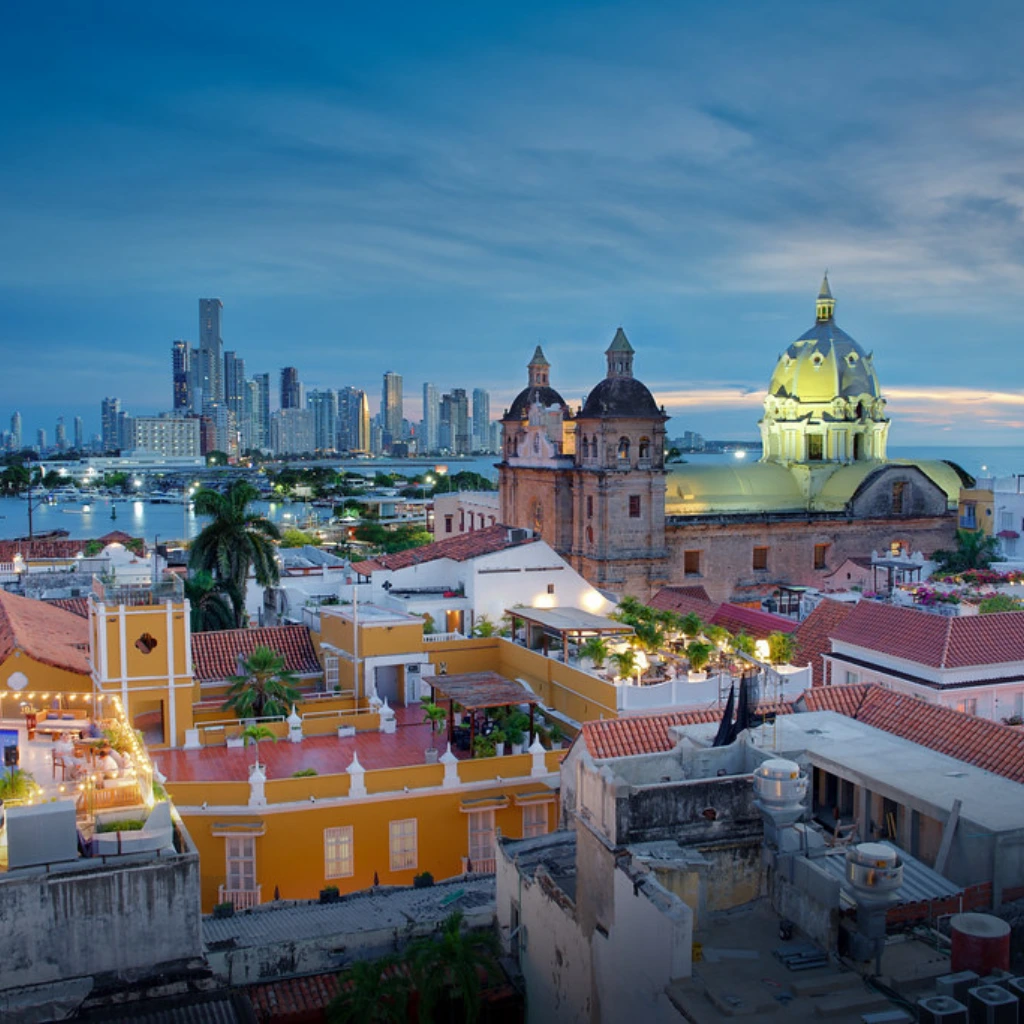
x=644, y=449
x=241, y=863
x=338, y=860
x=402, y=844
x=590, y=506
x=899, y=491
x=535, y=820
x=623, y=449
x=969, y=705
x=481, y=838
x=815, y=447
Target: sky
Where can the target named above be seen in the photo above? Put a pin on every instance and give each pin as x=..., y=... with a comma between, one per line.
x=436, y=188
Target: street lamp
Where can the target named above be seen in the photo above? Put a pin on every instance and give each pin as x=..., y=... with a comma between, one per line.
x=427, y=479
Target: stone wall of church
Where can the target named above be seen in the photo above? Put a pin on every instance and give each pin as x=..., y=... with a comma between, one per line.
x=538, y=499
x=899, y=490
x=723, y=551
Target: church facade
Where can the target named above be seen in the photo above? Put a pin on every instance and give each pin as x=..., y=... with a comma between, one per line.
x=595, y=485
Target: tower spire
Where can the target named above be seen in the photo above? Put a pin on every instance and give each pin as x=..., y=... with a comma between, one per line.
x=825, y=304
x=539, y=369
x=620, y=356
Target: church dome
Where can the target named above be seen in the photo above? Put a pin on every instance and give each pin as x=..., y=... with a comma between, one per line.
x=537, y=391
x=825, y=363
x=620, y=394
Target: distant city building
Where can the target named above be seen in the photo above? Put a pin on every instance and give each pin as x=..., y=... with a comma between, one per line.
x=291, y=432
x=225, y=428
x=391, y=408
x=234, y=388
x=60, y=438
x=124, y=430
x=353, y=420
x=324, y=407
x=455, y=432
x=110, y=409
x=431, y=417
x=260, y=396
x=16, y=431
x=692, y=441
x=481, y=419
x=376, y=439
x=181, y=374
x=494, y=436
x=211, y=351
x=79, y=434
x=41, y=440
x=176, y=436
x=291, y=389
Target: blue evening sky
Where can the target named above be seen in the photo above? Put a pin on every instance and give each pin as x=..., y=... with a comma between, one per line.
x=434, y=188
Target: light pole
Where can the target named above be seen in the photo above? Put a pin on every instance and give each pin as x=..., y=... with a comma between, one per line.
x=427, y=479
x=31, y=507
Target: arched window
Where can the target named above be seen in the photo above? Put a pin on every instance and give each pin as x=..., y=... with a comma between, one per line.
x=644, y=451
x=623, y=449
x=586, y=447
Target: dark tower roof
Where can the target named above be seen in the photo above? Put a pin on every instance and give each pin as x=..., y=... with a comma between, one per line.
x=538, y=389
x=620, y=393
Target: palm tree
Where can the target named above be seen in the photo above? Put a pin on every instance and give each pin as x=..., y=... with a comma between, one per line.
x=691, y=624
x=781, y=648
x=254, y=733
x=17, y=784
x=699, y=654
x=235, y=541
x=650, y=637
x=595, y=649
x=452, y=964
x=631, y=611
x=265, y=688
x=210, y=609
x=371, y=991
x=974, y=550
x=625, y=662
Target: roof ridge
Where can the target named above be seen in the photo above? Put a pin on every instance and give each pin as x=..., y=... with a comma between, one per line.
x=948, y=640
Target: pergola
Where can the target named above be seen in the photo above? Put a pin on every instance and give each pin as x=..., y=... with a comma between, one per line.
x=567, y=623
x=478, y=691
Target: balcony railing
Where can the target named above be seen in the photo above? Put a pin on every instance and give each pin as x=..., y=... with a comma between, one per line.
x=170, y=588
x=242, y=899
x=478, y=866
x=436, y=638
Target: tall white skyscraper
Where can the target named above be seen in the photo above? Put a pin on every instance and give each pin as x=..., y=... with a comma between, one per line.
x=234, y=387
x=431, y=417
x=481, y=419
x=16, y=431
x=391, y=407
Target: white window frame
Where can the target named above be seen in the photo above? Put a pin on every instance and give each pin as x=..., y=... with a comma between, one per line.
x=535, y=820
x=240, y=863
x=481, y=835
x=402, y=844
x=968, y=705
x=339, y=852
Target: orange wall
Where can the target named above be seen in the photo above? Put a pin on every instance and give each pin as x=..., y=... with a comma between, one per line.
x=41, y=678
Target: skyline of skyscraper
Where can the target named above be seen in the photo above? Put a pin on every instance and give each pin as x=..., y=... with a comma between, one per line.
x=16, y=430
x=60, y=435
x=391, y=407
x=234, y=387
x=323, y=404
x=210, y=377
x=291, y=388
x=260, y=426
x=110, y=411
x=481, y=419
x=181, y=375
x=79, y=434
x=431, y=417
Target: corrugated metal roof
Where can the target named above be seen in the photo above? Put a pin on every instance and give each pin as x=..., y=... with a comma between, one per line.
x=222, y=1008
x=369, y=910
x=920, y=882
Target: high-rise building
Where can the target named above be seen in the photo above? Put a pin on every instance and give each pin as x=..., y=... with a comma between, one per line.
x=481, y=419
x=210, y=375
x=234, y=388
x=291, y=432
x=455, y=411
x=60, y=436
x=16, y=431
x=291, y=389
x=391, y=408
x=353, y=420
x=166, y=435
x=431, y=417
x=79, y=434
x=225, y=428
x=41, y=440
x=181, y=374
x=260, y=426
x=124, y=430
x=324, y=407
x=110, y=409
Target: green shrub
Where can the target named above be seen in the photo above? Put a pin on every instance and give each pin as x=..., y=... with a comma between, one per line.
x=127, y=825
x=304, y=773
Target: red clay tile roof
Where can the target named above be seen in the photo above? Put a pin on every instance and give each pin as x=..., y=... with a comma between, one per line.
x=76, y=605
x=47, y=634
x=55, y=547
x=814, y=636
x=684, y=601
x=215, y=654
x=751, y=621
x=306, y=997
x=934, y=640
x=647, y=734
x=989, y=745
x=458, y=549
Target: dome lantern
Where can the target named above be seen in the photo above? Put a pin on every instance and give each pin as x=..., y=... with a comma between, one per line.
x=825, y=305
x=539, y=369
x=620, y=356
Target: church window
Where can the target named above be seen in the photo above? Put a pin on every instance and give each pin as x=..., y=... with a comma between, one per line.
x=586, y=447
x=821, y=556
x=590, y=535
x=691, y=563
x=644, y=451
x=623, y=449
x=899, y=495
x=897, y=549
x=634, y=506
x=590, y=506
x=815, y=447
x=760, y=562
x=536, y=444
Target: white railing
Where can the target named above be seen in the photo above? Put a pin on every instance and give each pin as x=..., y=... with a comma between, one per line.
x=479, y=866
x=242, y=899
x=436, y=638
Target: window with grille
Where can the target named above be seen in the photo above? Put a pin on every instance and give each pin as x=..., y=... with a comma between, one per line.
x=634, y=506
x=481, y=836
x=338, y=853
x=815, y=447
x=760, y=558
x=241, y=863
x=402, y=844
x=535, y=820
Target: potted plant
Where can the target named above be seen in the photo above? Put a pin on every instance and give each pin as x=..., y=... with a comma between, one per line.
x=594, y=650
x=624, y=662
x=483, y=746
x=222, y=910
x=781, y=648
x=435, y=715
x=515, y=731
x=330, y=894
x=498, y=739
x=699, y=654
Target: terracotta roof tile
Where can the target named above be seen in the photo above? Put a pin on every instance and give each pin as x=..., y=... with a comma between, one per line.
x=76, y=605
x=989, y=745
x=752, y=621
x=55, y=547
x=647, y=734
x=459, y=549
x=47, y=634
x=684, y=601
x=306, y=997
x=959, y=642
x=814, y=635
x=215, y=654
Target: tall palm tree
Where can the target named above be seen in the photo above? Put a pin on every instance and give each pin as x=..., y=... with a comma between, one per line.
x=371, y=992
x=266, y=687
x=210, y=607
x=235, y=541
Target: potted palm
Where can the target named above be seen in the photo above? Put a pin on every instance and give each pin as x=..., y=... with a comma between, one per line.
x=515, y=731
x=781, y=648
x=594, y=651
x=624, y=662
x=699, y=654
x=435, y=715
x=254, y=734
x=691, y=626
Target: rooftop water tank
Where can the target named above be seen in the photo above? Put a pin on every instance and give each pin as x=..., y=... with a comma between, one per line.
x=873, y=870
x=981, y=942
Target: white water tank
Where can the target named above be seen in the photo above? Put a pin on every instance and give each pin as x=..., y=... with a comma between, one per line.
x=873, y=869
x=779, y=785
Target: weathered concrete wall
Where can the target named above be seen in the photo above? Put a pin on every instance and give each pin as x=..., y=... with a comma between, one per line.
x=808, y=896
x=921, y=496
x=79, y=923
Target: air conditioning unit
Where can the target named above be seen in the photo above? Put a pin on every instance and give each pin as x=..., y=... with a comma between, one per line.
x=956, y=986
x=990, y=1004
x=941, y=1010
x=1016, y=987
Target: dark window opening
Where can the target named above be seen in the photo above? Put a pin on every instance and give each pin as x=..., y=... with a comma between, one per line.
x=634, y=506
x=760, y=559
